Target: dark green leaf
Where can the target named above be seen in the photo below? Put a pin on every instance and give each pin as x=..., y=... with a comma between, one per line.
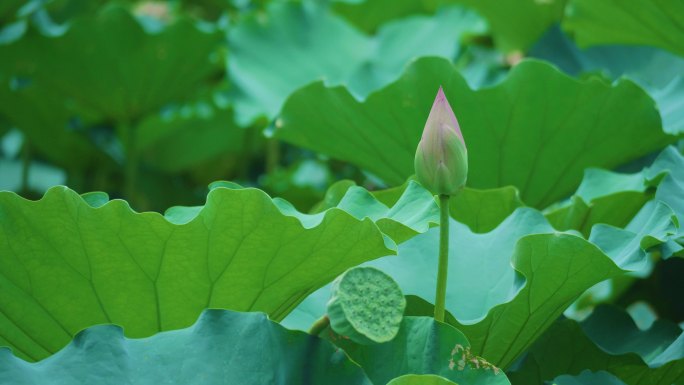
x=588, y=378
x=86, y=64
x=222, y=347
x=423, y=346
x=608, y=340
x=658, y=23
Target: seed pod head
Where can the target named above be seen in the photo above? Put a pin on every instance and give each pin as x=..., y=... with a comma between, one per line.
x=366, y=306
x=441, y=162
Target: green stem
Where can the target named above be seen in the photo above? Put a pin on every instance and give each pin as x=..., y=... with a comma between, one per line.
x=320, y=325
x=272, y=155
x=25, y=165
x=127, y=133
x=440, y=297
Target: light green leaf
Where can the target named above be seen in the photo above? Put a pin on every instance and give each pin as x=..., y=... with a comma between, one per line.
x=317, y=44
x=85, y=63
x=618, y=200
x=549, y=139
x=66, y=264
x=481, y=210
x=423, y=346
x=420, y=379
x=484, y=210
x=222, y=347
x=671, y=188
x=608, y=340
x=657, y=71
x=412, y=214
x=657, y=23
x=602, y=197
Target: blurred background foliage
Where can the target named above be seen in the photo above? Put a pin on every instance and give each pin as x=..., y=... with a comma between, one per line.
x=151, y=101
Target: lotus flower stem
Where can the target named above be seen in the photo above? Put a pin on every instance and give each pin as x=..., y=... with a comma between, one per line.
x=320, y=325
x=25, y=165
x=441, y=165
x=440, y=296
x=127, y=134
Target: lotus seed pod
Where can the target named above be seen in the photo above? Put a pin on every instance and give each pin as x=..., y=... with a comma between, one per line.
x=366, y=305
x=441, y=162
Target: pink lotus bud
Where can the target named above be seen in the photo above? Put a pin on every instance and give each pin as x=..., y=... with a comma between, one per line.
x=441, y=161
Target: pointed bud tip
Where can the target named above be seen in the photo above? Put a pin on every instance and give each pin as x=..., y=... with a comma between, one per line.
x=440, y=94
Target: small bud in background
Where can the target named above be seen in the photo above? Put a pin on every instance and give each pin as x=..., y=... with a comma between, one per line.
x=441, y=161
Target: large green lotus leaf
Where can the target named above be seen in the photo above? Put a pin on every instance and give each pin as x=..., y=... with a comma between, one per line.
x=514, y=24
x=610, y=341
x=423, y=346
x=553, y=126
x=111, y=66
x=618, y=199
x=481, y=210
x=69, y=262
x=650, y=227
x=411, y=214
x=588, y=378
x=603, y=197
x=657, y=23
x=188, y=136
x=312, y=43
x=222, y=347
x=657, y=71
x=671, y=188
x=398, y=43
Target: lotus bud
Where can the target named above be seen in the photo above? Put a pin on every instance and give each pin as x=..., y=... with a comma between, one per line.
x=441, y=161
